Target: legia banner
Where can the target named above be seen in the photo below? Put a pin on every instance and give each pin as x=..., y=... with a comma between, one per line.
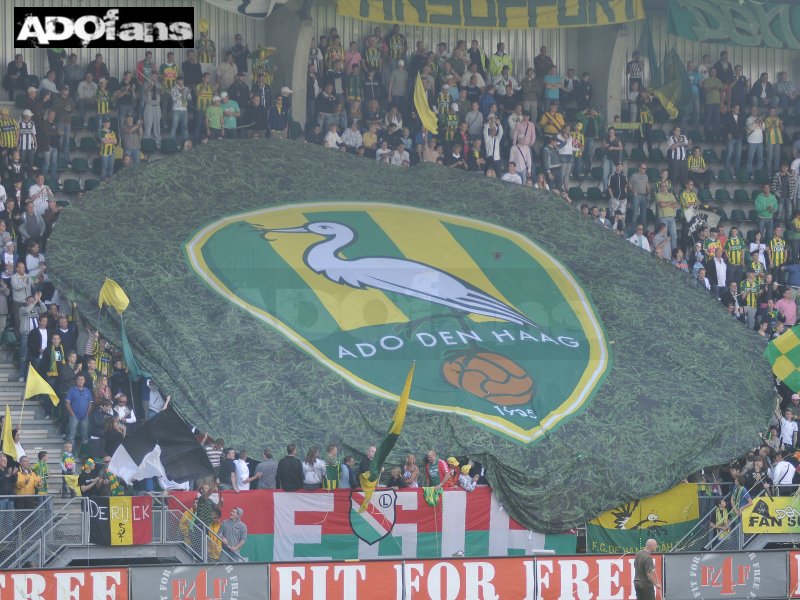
x=285, y=526
x=665, y=517
x=525, y=14
x=309, y=282
x=772, y=24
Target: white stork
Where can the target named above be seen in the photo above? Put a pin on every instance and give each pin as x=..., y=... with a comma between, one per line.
x=407, y=277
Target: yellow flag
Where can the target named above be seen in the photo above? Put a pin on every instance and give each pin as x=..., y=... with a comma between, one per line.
x=426, y=115
x=72, y=483
x=37, y=385
x=8, y=440
x=113, y=295
x=204, y=26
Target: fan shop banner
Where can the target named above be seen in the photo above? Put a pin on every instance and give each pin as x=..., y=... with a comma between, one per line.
x=201, y=582
x=665, y=517
x=326, y=525
x=779, y=514
x=71, y=584
x=756, y=24
x=492, y=14
x=735, y=575
x=120, y=520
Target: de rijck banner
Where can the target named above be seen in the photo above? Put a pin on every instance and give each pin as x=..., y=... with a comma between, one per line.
x=507, y=14
x=767, y=24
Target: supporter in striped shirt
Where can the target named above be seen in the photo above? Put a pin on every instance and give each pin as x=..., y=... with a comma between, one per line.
x=108, y=145
x=748, y=295
x=103, y=97
x=734, y=251
x=698, y=171
x=777, y=252
x=8, y=132
x=204, y=92
x=214, y=453
x=27, y=141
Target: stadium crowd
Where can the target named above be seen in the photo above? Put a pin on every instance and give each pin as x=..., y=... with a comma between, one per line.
x=537, y=125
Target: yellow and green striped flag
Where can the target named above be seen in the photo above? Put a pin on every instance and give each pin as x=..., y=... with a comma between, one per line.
x=783, y=353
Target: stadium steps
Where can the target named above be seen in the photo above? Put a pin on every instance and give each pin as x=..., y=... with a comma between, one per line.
x=37, y=433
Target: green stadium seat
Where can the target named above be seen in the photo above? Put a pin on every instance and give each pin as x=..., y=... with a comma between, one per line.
x=149, y=146
x=743, y=176
x=754, y=193
x=710, y=155
x=73, y=144
x=88, y=145
x=80, y=164
x=705, y=195
x=97, y=166
x=752, y=216
x=740, y=195
x=722, y=195
x=597, y=173
x=90, y=184
x=723, y=216
x=694, y=135
x=72, y=186
x=658, y=135
x=38, y=161
x=62, y=164
x=94, y=124
x=575, y=193
x=737, y=215
x=53, y=183
x=637, y=155
x=657, y=155
x=168, y=146
x=595, y=194
x=725, y=175
x=76, y=122
x=653, y=174
x=762, y=176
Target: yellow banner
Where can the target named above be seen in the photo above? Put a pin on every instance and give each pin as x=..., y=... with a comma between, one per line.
x=772, y=515
x=494, y=14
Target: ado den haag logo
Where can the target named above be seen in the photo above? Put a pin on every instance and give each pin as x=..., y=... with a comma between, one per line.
x=502, y=333
x=130, y=27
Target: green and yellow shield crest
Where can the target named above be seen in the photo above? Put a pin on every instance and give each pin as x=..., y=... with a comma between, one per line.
x=502, y=333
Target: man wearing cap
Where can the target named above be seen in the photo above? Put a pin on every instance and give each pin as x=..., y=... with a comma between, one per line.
x=230, y=112
x=27, y=141
x=278, y=119
x=214, y=124
x=286, y=93
x=108, y=145
x=103, y=98
x=34, y=104
x=398, y=86
x=451, y=123
x=233, y=533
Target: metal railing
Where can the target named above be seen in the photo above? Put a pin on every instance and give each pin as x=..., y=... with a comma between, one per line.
x=703, y=537
x=35, y=536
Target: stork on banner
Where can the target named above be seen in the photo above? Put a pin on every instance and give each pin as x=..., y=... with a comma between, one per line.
x=377, y=521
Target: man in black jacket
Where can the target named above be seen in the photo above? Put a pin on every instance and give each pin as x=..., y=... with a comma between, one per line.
x=290, y=471
x=254, y=121
x=762, y=93
x=733, y=127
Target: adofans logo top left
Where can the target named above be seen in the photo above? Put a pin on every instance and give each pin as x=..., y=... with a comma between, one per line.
x=94, y=27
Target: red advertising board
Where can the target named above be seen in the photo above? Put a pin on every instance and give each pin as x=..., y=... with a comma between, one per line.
x=74, y=584
x=456, y=579
x=794, y=574
x=587, y=577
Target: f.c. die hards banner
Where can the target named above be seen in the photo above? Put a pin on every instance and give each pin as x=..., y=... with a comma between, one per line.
x=506, y=14
x=280, y=293
x=665, y=517
x=329, y=526
x=772, y=24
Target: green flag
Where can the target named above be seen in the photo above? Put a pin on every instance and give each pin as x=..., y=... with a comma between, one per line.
x=783, y=353
x=134, y=371
x=675, y=94
x=646, y=48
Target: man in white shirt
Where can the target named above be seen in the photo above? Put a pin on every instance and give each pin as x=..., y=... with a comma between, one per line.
x=782, y=474
x=788, y=427
x=638, y=239
x=755, y=140
x=243, y=478
x=40, y=194
x=400, y=156
x=511, y=175
x=87, y=95
x=718, y=273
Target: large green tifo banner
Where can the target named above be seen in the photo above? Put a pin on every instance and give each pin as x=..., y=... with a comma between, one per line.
x=772, y=24
x=280, y=292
